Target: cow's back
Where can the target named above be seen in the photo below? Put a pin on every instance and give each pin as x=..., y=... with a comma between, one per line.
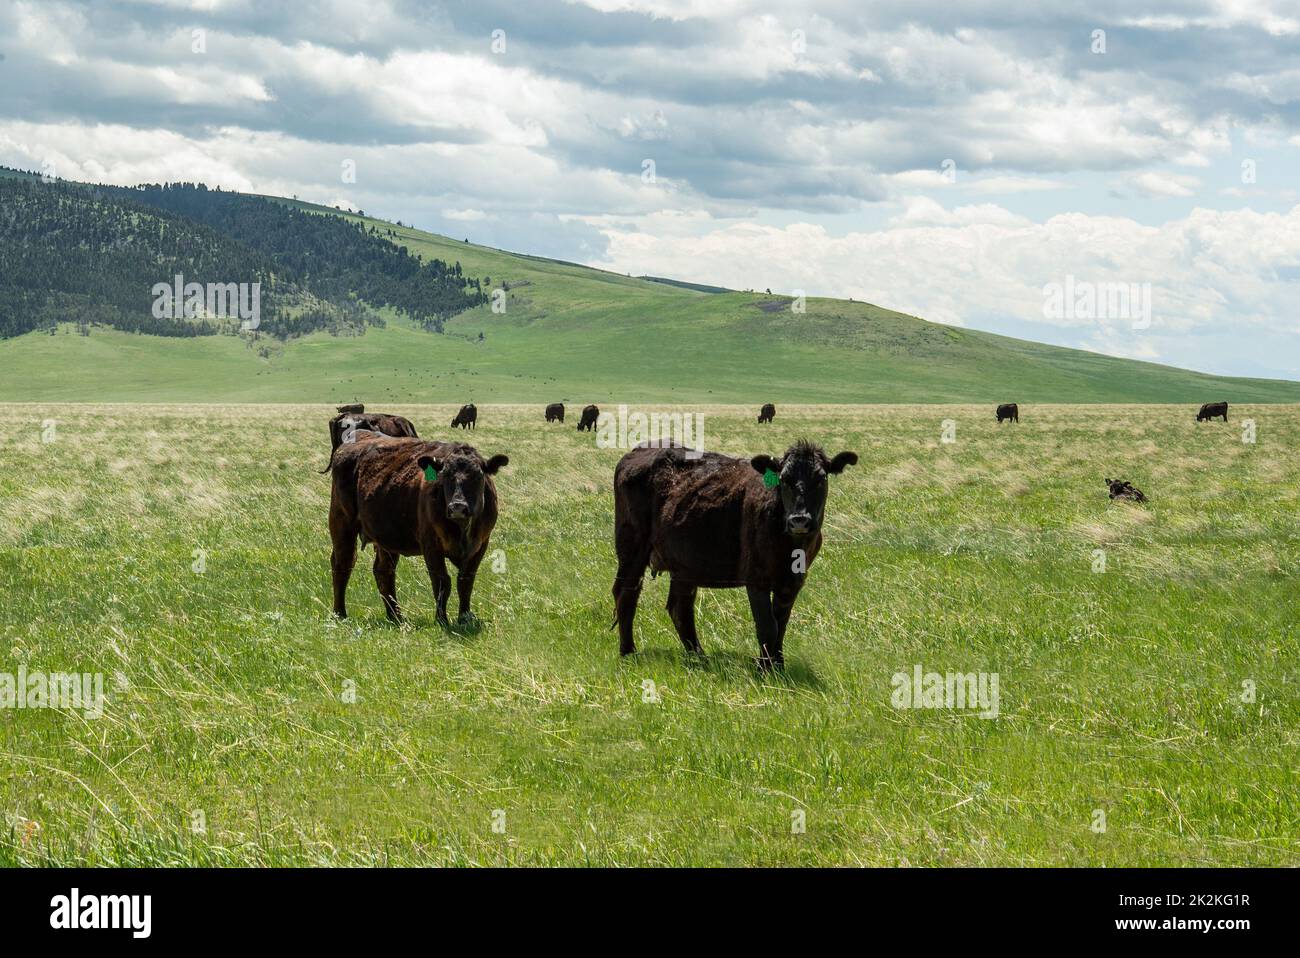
x=697, y=513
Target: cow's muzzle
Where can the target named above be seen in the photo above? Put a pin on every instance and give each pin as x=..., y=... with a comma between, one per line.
x=798, y=523
x=457, y=510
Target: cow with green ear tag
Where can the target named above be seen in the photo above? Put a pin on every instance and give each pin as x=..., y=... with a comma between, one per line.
x=713, y=521
x=412, y=497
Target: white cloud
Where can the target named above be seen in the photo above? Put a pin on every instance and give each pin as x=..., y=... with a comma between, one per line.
x=1210, y=270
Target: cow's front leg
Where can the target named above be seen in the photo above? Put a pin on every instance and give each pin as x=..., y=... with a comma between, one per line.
x=435, y=562
x=465, y=584
x=782, y=604
x=769, y=649
x=386, y=580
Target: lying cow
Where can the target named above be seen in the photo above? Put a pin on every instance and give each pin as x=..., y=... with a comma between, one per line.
x=589, y=416
x=412, y=497
x=721, y=523
x=767, y=413
x=1123, y=489
x=1009, y=410
x=352, y=407
x=466, y=418
x=555, y=412
x=344, y=426
x=1210, y=410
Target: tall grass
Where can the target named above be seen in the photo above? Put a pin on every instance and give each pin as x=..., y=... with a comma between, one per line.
x=1121, y=691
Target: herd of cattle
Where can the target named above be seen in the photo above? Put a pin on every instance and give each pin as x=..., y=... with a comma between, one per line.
x=708, y=520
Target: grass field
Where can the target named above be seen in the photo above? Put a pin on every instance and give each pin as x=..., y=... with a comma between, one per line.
x=1121, y=692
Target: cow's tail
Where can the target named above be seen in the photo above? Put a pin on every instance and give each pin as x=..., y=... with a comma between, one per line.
x=336, y=436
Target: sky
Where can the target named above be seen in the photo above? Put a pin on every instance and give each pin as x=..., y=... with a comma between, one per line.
x=1122, y=177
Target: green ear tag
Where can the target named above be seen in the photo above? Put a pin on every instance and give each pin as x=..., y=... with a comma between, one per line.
x=430, y=474
x=771, y=479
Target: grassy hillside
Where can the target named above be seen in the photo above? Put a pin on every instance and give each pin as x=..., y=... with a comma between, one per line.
x=576, y=334
x=1121, y=690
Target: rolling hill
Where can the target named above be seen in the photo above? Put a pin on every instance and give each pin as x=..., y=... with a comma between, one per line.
x=577, y=334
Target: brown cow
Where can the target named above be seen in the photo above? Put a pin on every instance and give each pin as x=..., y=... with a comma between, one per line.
x=1123, y=489
x=767, y=413
x=345, y=425
x=589, y=416
x=1008, y=410
x=412, y=497
x=554, y=412
x=1210, y=410
x=466, y=418
x=716, y=522
x=352, y=407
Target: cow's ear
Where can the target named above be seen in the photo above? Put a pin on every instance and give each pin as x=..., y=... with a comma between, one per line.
x=840, y=461
x=762, y=464
x=1109, y=481
x=424, y=462
x=496, y=462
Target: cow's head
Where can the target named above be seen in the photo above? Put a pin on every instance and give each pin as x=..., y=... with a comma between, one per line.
x=801, y=483
x=461, y=475
x=1117, y=486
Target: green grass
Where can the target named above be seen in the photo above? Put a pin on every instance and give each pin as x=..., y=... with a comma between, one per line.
x=1119, y=691
x=578, y=335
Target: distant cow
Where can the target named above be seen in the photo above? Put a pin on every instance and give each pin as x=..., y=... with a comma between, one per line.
x=589, y=416
x=466, y=418
x=344, y=426
x=1123, y=489
x=1211, y=409
x=718, y=522
x=1009, y=410
x=412, y=497
x=352, y=407
x=555, y=411
x=767, y=413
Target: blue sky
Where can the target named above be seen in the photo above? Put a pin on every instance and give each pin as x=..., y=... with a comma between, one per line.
x=948, y=159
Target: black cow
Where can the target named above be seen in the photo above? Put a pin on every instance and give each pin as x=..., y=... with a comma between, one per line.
x=409, y=497
x=589, y=416
x=712, y=521
x=554, y=412
x=344, y=426
x=767, y=413
x=1123, y=489
x=1211, y=409
x=466, y=418
x=1009, y=410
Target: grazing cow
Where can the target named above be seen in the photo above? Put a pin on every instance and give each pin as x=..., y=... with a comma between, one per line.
x=345, y=425
x=767, y=413
x=1009, y=410
x=1123, y=489
x=352, y=407
x=412, y=497
x=555, y=411
x=1211, y=409
x=466, y=418
x=589, y=416
x=721, y=523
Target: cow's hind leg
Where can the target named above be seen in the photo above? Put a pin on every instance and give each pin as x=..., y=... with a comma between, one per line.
x=769, y=645
x=385, y=569
x=342, y=558
x=681, y=608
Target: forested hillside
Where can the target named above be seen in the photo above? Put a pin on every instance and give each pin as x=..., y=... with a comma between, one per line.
x=93, y=255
